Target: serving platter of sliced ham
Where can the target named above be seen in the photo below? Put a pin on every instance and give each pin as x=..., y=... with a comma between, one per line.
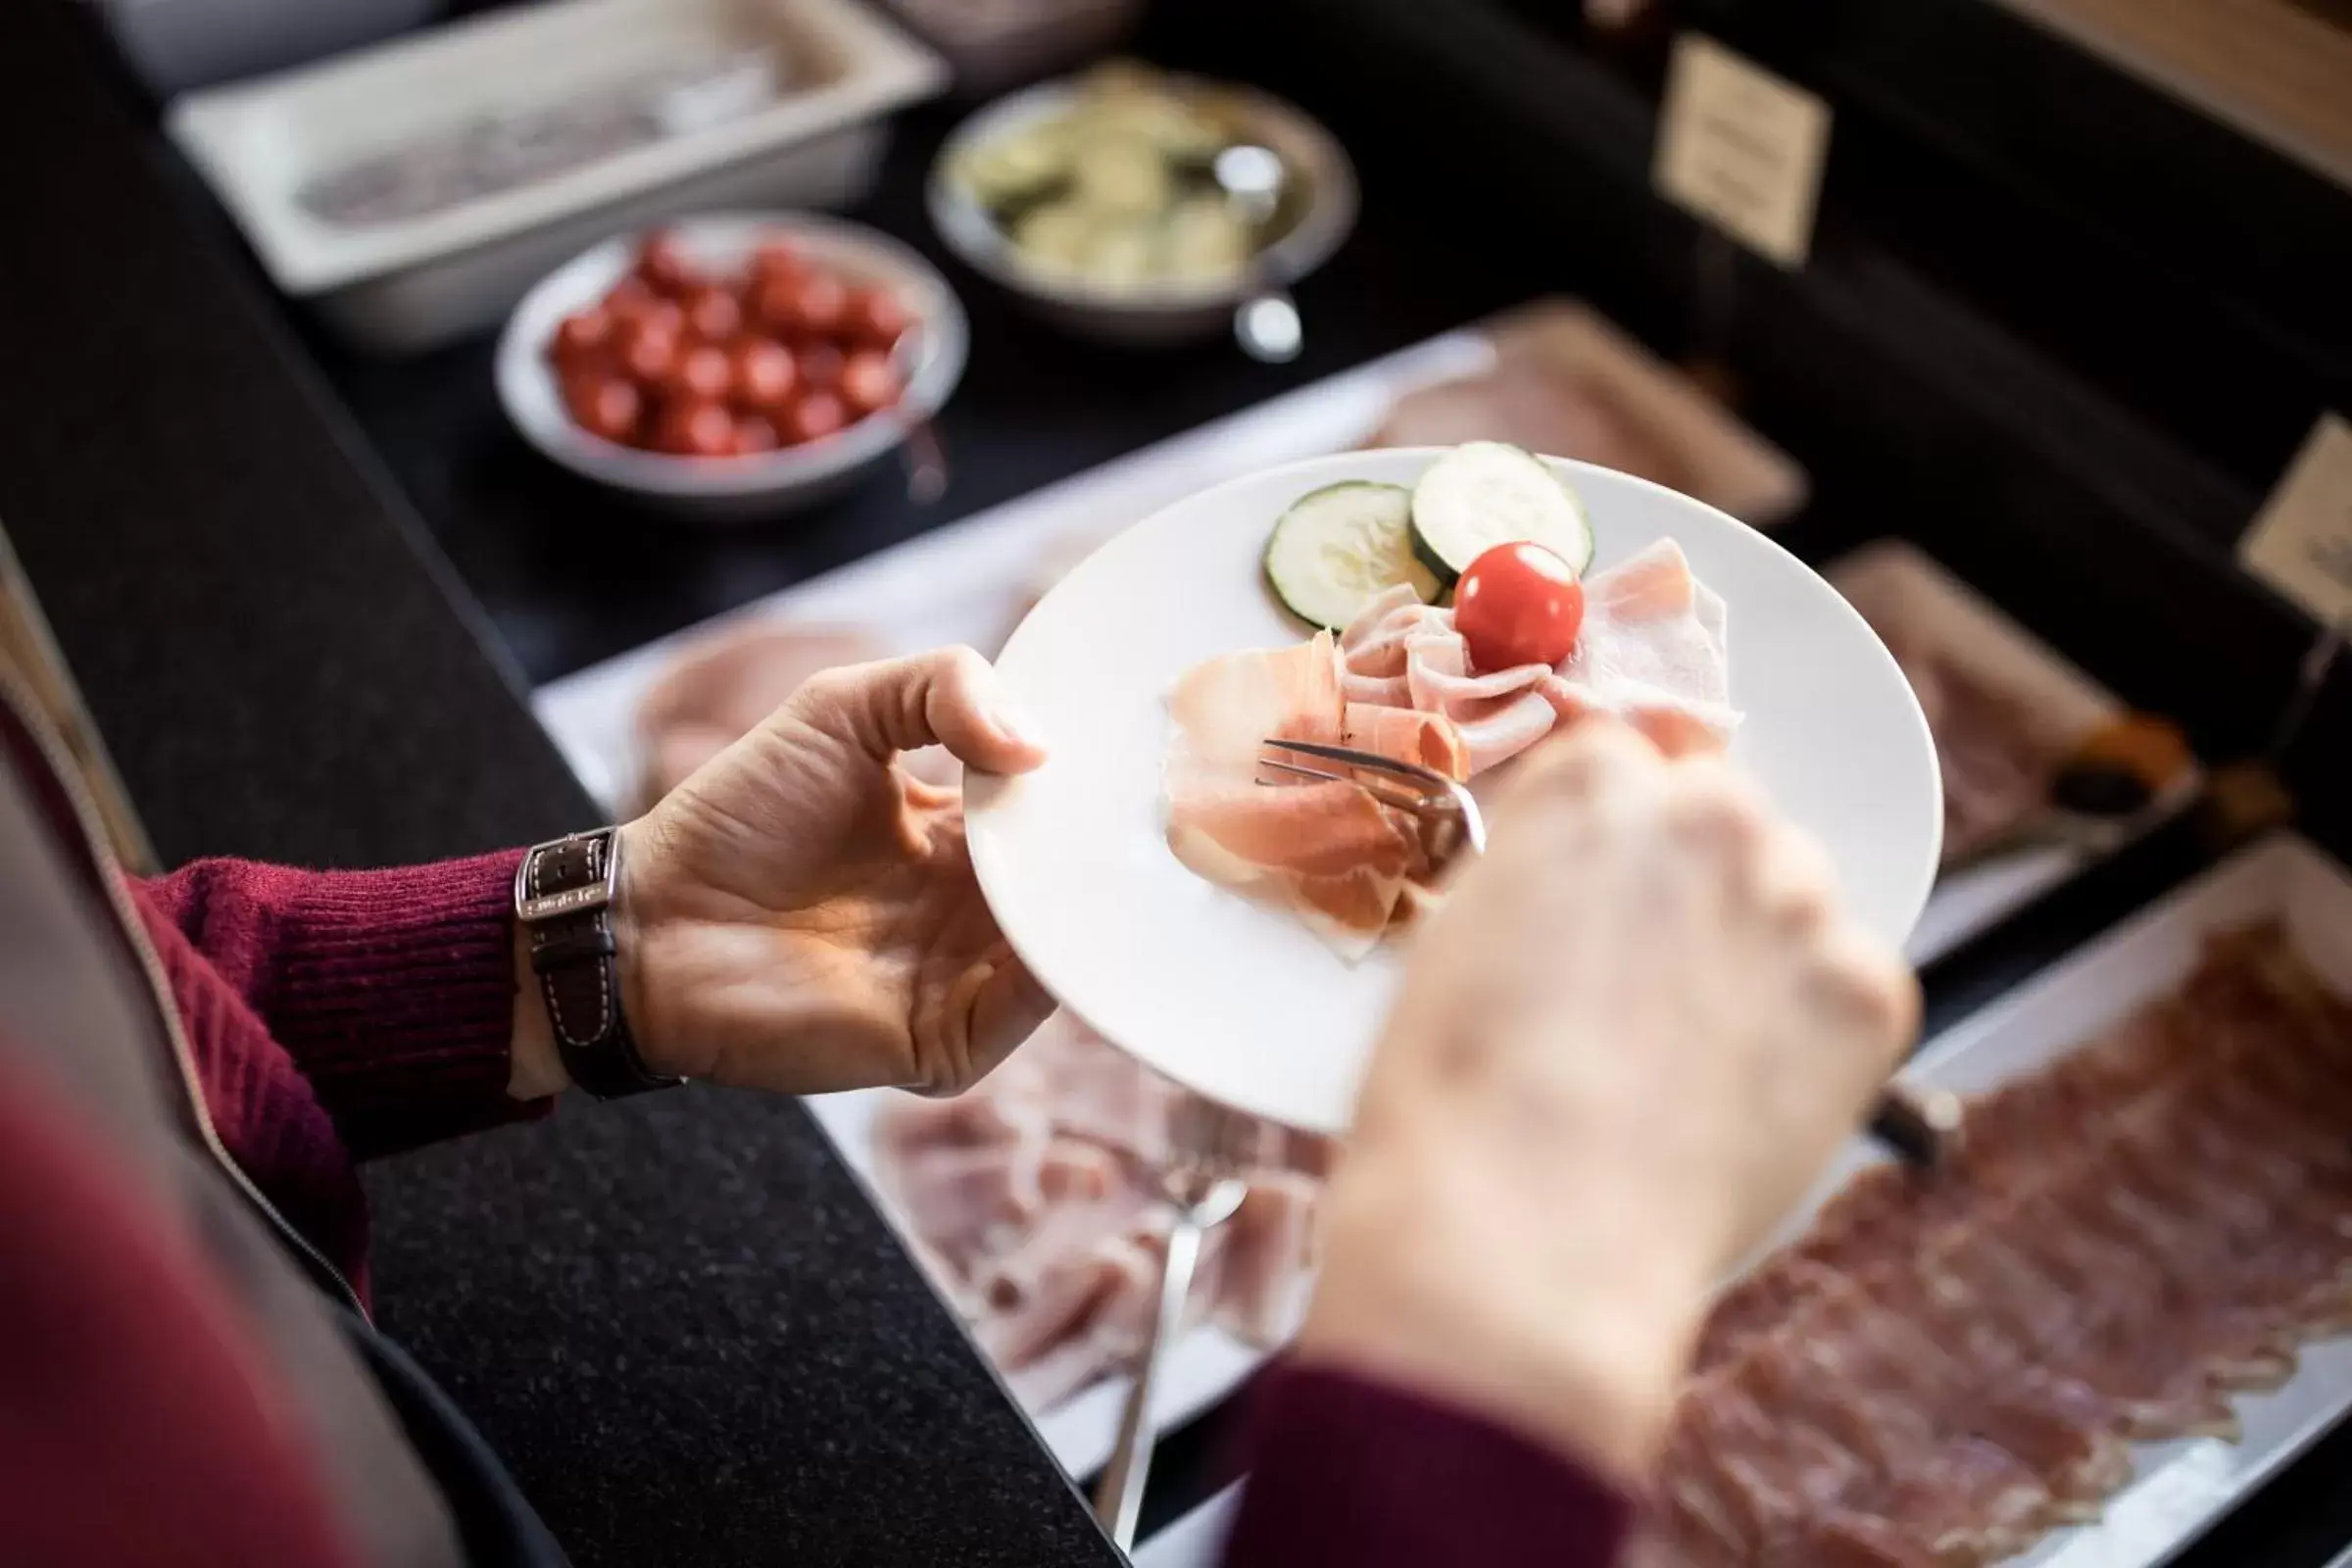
x=1158, y=894
x=2122, y=1303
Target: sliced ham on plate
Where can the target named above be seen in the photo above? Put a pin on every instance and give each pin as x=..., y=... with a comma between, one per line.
x=1329, y=853
x=1652, y=652
x=1400, y=682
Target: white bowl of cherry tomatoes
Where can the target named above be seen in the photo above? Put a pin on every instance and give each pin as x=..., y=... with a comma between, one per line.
x=733, y=365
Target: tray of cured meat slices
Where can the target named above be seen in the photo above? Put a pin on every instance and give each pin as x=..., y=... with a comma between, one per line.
x=2119, y=1306
x=2010, y=717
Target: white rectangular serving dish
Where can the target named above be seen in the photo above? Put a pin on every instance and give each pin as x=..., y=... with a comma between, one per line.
x=1893, y=573
x=2181, y=1487
x=411, y=284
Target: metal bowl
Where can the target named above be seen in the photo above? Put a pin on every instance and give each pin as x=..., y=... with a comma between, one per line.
x=751, y=488
x=1163, y=313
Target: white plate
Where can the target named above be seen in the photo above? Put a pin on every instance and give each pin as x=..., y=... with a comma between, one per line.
x=734, y=488
x=1242, y=1003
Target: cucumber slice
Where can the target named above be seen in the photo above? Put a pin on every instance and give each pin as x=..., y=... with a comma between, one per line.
x=1339, y=547
x=1485, y=494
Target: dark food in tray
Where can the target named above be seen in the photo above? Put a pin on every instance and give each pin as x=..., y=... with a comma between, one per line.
x=1945, y=1367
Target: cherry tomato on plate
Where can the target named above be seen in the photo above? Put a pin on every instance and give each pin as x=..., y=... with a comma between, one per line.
x=704, y=375
x=877, y=319
x=606, y=406
x=650, y=347
x=583, y=338
x=689, y=429
x=820, y=364
x=629, y=299
x=665, y=266
x=753, y=433
x=1518, y=603
x=813, y=416
x=765, y=376
x=820, y=306
x=774, y=300
x=868, y=382
x=714, y=314
x=776, y=258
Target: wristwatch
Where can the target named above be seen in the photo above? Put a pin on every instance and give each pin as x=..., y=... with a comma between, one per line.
x=564, y=892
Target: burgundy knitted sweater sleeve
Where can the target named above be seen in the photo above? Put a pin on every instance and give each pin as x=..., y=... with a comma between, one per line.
x=392, y=991
x=1345, y=1471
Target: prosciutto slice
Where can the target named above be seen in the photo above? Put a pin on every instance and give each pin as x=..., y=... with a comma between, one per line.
x=1031, y=1200
x=1945, y=1368
x=1653, y=652
x=1327, y=852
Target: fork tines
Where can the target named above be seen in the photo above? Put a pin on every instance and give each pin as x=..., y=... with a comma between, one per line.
x=1408, y=786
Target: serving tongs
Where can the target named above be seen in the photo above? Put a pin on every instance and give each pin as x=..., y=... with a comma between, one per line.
x=1911, y=1124
x=1208, y=1149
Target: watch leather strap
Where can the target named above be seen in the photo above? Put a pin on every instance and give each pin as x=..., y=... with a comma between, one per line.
x=564, y=892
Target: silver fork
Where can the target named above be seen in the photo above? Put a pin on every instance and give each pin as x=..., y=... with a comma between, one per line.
x=1208, y=1149
x=1441, y=804
x=1914, y=1124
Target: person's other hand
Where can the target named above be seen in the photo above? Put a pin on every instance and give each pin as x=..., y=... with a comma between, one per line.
x=801, y=915
x=1620, y=1054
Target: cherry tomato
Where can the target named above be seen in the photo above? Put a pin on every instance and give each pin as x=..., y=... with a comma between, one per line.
x=665, y=266
x=604, y=406
x=753, y=433
x=773, y=301
x=876, y=317
x=650, y=347
x=1518, y=603
x=868, y=382
x=776, y=258
x=629, y=298
x=584, y=339
x=689, y=429
x=813, y=416
x=820, y=364
x=714, y=314
x=765, y=376
x=704, y=375
x=820, y=306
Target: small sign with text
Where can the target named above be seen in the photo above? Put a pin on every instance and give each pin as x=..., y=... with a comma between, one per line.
x=1742, y=149
x=2301, y=543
